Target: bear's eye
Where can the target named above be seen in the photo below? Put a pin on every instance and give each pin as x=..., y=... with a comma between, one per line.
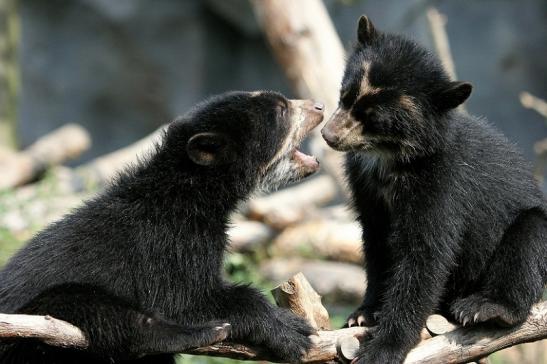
x=364, y=113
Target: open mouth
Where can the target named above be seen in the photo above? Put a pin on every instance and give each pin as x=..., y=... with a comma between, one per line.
x=308, y=164
x=308, y=117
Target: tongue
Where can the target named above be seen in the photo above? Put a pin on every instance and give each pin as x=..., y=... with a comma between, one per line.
x=305, y=160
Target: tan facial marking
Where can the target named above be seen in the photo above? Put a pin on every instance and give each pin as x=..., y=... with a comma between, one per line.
x=366, y=88
x=349, y=129
x=407, y=103
x=289, y=139
x=354, y=135
x=296, y=132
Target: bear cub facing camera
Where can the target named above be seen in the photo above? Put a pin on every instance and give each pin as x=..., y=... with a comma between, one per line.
x=138, y=268
x=452, y=218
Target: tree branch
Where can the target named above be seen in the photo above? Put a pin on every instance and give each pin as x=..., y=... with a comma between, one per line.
x=459, y=346
x=530, y=101
x=471, y=343
x=44, y=328
x=305, y=43
x=67, y=142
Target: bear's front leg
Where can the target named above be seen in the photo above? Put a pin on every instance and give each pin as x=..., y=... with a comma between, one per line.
x=412, y=292
x=256, y=321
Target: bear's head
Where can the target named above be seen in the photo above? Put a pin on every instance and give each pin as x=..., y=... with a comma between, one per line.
x=249, y=136
x=393, y=98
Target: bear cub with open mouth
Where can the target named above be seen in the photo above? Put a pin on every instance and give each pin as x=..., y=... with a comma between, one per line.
x=138, y=267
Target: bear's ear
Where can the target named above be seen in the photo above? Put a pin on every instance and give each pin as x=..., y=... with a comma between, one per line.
x=365, y=30
x=452, y=96
x=210, y=149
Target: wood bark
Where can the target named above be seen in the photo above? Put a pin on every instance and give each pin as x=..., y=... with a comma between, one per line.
x=45, y=328
x=473, y=343
x=102, y=169
x=62, y=144
x=326, y=238
x=298, y=295
x=293, y=204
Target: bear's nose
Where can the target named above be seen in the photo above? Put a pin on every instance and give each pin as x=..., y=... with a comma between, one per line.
x=329, y=136
x=319, y=106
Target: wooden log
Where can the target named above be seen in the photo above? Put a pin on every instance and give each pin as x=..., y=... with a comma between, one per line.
x=248, y=236
x=292, y=204
x=328, y=239
x=336, y=282
x=102, y=169
x=305, y=43
x=439, y=325
x=298, y=295
x=62, y=144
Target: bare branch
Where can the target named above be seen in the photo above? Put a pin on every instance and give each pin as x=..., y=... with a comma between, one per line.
x=467, y=344
x=459, y=346
x=67, y=142
x=530, y=101
x=45, y=328
x=437, y=23
x=437, y=27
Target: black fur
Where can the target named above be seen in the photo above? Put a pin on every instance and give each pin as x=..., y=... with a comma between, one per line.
x=452, y=218
x=138, y=268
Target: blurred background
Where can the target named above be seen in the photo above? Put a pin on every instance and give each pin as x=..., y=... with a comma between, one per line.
x=82, y=81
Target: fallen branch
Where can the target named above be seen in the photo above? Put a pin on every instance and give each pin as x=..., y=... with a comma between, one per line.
x=103, y=168
x=292, y=204
x=249, y=236
x=459, y=346
x=52, y=149
x=327, y=238
x=530, y=101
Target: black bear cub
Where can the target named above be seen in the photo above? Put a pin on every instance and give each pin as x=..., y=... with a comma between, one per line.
x=138, y=268
x=452, y=218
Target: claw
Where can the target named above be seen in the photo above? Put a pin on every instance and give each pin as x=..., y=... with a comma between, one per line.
x=465, y=321
x=476, y=317
x=360, y=320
